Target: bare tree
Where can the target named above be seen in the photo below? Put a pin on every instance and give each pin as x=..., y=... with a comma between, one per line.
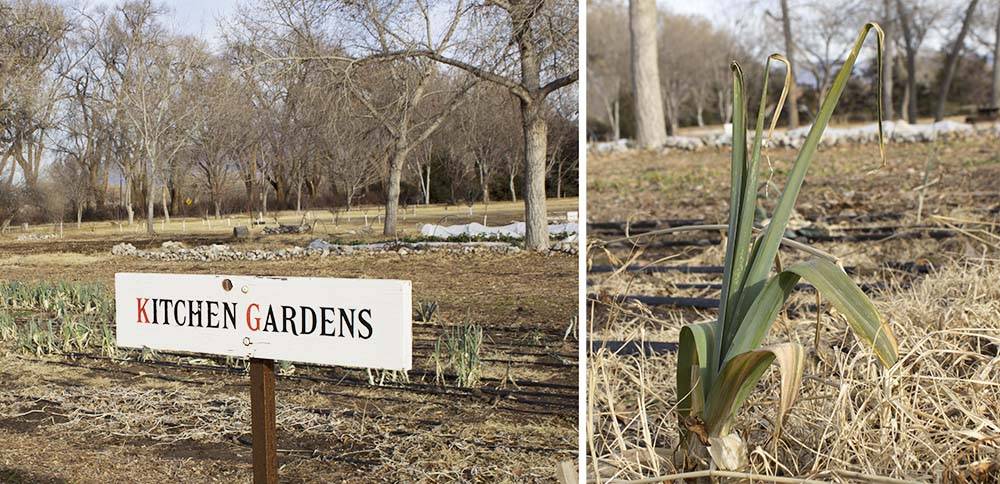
x=35, y=40
x=420, y=163
x=951, y=61
x=345, y=145
x=995, y=86
x=607, y=63
x=413, y=81
x=12, y=198
x=910, y=39
x=545, y=36
x=889, y=26
x=827, y=40
x=306, y=101
x=792, y=102
x=486, y=119
x=219, y=137
x=156, y=68
x=650, y=130
x=689, y=65
x=71, y=177
x=915, y=20
x=87, y=136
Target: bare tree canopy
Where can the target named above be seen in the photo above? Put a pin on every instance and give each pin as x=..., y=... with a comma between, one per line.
x=940, y=58
x=296, y=104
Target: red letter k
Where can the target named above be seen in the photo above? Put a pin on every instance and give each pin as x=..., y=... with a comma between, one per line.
x=142, y=310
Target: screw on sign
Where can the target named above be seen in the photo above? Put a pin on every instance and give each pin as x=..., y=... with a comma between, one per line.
x=361, y=323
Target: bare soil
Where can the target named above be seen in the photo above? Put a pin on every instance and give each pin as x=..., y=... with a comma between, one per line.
x=86, y=418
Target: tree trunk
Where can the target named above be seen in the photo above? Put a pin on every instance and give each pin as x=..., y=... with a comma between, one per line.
x=793, y=91
x=536, y=235
x=911, y=62
x=149, y=204
x=484, y=186
x=263, y=200
x=280, y=193
x=672, y=108
x=173, y=199
x=218, y=209
x=127, y=200
x=513, y=192
x=298, y=198
x=559, y=178
x=700, y=109
x=79, y=215
x=166, y=206
x=427, y=185
x=995, y=89
x=720, y=104
x=650, y=129
x=952, y=60
x=889, y=61
x=616, y=122
x=904, y=105
x=392, y=197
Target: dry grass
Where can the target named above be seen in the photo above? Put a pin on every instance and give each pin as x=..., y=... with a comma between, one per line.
x=361, y=223
x=935, y=416
x=652, y=185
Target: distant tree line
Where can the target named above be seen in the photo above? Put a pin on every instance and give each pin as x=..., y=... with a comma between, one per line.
x=106, y=113
x=959, y=75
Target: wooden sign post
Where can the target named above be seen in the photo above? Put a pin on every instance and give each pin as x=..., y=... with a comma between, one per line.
x=262, y=422
x=360, y=323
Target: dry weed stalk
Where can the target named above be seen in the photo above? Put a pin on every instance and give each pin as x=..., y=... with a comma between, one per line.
x=935, y=416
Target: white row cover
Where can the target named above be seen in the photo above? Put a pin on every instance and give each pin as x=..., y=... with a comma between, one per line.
x=515, y=230
x=897, y=132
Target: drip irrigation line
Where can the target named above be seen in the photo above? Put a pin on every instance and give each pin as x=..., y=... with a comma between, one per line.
x=911, y=267
x=570, y=399
x=428, y=344
x=694, y=228
x=713, y=303
x=498, y=328
x=936, y=233
x=639, y=226
x=511, y=396
x=545, y=348
x=680, y=302
x=631, y=348
x=712, y=474
x=656, y=269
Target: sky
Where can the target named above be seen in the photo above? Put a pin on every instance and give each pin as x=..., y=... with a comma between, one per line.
x=193, y=17
x=704, y=8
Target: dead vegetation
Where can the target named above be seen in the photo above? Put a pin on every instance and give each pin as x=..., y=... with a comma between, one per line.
x=156, y=417
x=932, y=417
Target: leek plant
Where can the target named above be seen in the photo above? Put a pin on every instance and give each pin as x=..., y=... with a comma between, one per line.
x=459, y=349
x=719, y=363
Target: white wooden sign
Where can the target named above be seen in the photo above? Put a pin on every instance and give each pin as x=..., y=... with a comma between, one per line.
x=347, y=322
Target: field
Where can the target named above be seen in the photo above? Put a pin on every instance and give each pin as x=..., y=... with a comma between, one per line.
x=919, y=235
x=74, y=410
x=359, y=224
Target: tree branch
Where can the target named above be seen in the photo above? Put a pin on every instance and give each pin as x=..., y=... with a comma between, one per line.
x=560, y=82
